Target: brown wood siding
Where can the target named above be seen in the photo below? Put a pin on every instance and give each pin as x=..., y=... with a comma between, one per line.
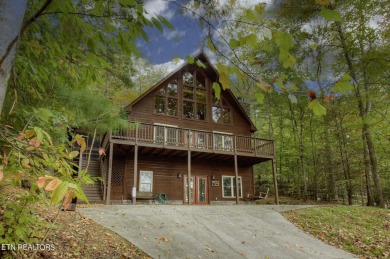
x=165, y=179
x=144, y=111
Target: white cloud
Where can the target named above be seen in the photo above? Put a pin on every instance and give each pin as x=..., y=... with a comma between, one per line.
x=173, y=35
x=158, y=7
x=170, y=66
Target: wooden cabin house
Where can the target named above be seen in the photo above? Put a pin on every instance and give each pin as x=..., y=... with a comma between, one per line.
x=182, y=131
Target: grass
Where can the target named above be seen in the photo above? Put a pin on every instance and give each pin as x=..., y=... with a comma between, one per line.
x=364, y=231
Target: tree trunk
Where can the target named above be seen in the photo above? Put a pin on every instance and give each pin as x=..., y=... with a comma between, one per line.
x=301, y=155
x=342, y=139
x=367, y=173
x=364, y=109
x=11, y=18
x=329, y=163
x=314, y=160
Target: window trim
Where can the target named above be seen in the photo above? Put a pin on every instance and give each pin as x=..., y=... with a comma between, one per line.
x=233, y=187
x=167, y=96
x=194, y=100
x=140, y=178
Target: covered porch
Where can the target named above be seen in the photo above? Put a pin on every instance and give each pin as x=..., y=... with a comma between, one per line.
x=201, y=156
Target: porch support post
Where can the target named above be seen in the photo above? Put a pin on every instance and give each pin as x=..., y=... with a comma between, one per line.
x=189, y=177
x=236, y=171
x=109, y=173
x=134, y=190
x=275, y=181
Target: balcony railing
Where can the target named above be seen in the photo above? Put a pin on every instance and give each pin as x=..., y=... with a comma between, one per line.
x=166, y=136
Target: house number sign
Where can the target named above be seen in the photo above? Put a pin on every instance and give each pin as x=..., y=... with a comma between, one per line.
x=215, y=183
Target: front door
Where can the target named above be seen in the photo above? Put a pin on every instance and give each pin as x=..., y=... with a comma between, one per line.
x=199, y=190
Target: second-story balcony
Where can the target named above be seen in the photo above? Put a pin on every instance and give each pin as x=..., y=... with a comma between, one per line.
x=160, y=136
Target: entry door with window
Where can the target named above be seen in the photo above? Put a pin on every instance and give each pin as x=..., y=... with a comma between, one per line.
x=199, y=190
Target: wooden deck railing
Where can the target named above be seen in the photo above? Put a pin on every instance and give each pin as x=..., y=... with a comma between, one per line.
x=194, y=139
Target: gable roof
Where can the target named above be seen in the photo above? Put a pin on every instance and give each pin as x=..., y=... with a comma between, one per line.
x=200, y=55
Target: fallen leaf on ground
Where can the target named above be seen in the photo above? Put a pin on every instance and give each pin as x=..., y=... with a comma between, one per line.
x=162, y=239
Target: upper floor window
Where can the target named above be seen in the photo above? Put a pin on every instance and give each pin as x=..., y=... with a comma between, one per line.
x=194, y=95
x=166, y=99
x=221, y=111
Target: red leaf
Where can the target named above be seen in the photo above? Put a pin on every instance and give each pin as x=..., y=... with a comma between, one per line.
x=312, y=95
x=41, y=181
x=68, y=199
x=53, y=184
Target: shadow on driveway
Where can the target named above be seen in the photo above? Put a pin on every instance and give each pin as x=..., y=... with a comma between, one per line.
x=238, y=231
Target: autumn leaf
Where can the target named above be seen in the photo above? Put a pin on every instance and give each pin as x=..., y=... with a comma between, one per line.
x=41, y=181
x=258, y=62
x=162, y=239
x=102, y=152
x=35, y=142
x=1, y=175
x=29, y=133
x=21, y=136
x=81, y=142
x=68, y=199
x=53, y=184
x=5, y=159
x=264, y=86
x=312, y=95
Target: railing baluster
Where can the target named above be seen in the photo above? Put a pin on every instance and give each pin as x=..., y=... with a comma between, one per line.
x=172, y=136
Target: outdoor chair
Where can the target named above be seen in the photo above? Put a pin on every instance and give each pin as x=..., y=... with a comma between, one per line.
x=262, y=195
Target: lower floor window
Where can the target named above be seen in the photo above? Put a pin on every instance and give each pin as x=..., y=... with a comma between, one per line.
x=146, y=181
x=229, y=186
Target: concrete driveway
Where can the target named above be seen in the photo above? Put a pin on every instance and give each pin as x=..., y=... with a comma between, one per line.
x=239, y=231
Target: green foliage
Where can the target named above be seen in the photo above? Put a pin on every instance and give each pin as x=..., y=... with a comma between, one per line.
x=331, y=15
x=293, y=98
x=31, y=155
x=317, y=108
x=285, y=43
x=190, y=59
x=18, y=223
x=343, y=84
x=217, y=89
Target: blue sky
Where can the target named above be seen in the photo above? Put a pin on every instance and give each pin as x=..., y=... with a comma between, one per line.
x=164, y=46
x=186, y=37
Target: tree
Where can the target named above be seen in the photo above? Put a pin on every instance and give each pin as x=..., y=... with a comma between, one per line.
x=328, y=49
x=74, y=37
x=11, y=13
